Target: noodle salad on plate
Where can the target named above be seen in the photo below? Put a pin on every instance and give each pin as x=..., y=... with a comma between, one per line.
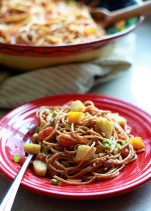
x=77, y=143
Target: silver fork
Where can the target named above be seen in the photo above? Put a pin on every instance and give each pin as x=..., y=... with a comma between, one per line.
x=8, y=199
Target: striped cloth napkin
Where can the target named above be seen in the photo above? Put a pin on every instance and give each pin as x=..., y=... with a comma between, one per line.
x=20, y=88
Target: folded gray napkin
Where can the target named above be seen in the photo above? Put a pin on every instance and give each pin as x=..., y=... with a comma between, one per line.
x=114, y=59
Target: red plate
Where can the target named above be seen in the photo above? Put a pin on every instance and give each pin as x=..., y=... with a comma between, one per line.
x=14, y=129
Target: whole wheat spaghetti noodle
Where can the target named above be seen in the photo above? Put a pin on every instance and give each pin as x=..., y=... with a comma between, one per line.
x=81, y=143
x=46, y=22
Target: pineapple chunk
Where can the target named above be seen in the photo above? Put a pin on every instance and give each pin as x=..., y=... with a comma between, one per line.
x=137, y=143
x=82, y=150
x=117, y=118
x=32, y=148
x=90, y=31
x=75, y=116
x=40, y=168
x=77, y=106
x=106, y=126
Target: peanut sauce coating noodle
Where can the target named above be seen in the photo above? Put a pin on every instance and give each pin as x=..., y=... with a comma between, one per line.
x=82, y=144
x=46, y=22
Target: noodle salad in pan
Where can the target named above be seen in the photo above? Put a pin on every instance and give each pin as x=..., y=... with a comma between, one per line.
x=77, y=143
x=46, y=22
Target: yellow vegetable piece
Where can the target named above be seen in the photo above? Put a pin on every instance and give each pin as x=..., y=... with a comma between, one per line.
x=32, y=148
x=82, y=150
x=106, y=126
x=75, y=116
x=77, y=106
x=120, y=24
x=137, y=143
x=117, y=118
x=90, y=31
x=40, y=168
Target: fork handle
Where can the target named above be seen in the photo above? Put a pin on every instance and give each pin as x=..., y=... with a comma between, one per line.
x=8, y=199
